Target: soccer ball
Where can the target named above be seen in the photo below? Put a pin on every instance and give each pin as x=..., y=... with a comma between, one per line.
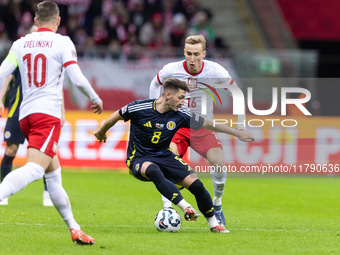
x=168, y=220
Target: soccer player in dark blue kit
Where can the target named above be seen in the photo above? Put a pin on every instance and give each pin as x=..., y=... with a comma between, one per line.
x=153, y=124
x=13, y=135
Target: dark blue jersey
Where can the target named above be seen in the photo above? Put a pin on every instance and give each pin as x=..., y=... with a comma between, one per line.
x=150, y=131
x=14, y=95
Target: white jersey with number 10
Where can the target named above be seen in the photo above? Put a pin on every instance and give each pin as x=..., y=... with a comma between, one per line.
x=42, y=57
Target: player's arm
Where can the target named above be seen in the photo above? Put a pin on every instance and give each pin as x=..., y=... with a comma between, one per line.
x=100, y=133
x=243, y=135
x=4, y=90
x=80, y=81
x=155, y=89
x=6, y=69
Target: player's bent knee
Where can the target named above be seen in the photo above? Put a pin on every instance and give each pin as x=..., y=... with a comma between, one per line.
x=197, y=187
x=11, y=150
x=144, y=167
x=152, y=171
x=187, y=181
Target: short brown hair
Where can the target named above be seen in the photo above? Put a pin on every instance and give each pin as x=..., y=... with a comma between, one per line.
x=46, y=11
x=175, y=85
x=195, y=39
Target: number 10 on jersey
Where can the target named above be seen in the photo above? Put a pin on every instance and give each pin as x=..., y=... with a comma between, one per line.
x=39, y=67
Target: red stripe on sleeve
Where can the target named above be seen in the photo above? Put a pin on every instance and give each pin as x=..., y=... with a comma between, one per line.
x=70, y=63
x=159, y=81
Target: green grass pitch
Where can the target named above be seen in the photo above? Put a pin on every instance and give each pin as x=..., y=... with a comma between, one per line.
x=264, y=215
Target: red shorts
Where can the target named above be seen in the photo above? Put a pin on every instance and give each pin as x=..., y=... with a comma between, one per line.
x=42, y=132
x=201, y=140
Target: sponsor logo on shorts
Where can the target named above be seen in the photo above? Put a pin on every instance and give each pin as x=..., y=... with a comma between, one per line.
x=55, y=147
x=171, y=125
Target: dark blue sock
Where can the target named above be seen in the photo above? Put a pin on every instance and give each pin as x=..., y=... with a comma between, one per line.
x=6, y=166
x=203, y=198
x=163, y=185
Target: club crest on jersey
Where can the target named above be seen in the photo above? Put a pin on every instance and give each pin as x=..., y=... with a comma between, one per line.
x=74, y=54
x=158, y=125
x=192, y=83
x=7, y=134
x=171, y=125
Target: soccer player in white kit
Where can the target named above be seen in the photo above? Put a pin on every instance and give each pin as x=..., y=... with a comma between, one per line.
x=42, y=57
x=200, y=75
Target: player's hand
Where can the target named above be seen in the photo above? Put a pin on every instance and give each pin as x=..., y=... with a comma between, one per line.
x=245, y=136
x=98, y=108
x=100, y=136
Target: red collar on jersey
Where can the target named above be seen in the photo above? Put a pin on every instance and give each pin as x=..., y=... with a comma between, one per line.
x=186, y=69
x=44, y=29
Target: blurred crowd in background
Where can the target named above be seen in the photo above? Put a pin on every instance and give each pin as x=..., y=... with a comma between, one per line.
x=130, y=29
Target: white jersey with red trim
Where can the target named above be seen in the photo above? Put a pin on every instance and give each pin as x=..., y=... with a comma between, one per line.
x=202, y=85
x=41, y=57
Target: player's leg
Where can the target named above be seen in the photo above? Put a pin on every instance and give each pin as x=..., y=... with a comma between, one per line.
x=179, y=147
x=174, y=148
x=204, y=201
x=219, y=177
x=46, y=196
x=207, y=144
x=62, y=204
x=33, y=170
x=7, y=163
x=151, y=171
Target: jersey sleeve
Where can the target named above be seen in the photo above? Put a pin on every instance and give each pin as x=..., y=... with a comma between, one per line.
x=12, y=55
x=164, y=73
x=156, y=88
x=125, y=111
x=9, y=64
x=223, y=77
x=191, y=119
x=196, y=121
x=69, y=53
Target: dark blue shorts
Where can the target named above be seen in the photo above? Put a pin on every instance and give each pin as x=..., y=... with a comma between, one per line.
x=172, y=166
x=13, y=132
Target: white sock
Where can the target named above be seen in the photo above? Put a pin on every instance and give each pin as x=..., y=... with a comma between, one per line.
x=212, y=222
x=20, y=178
x=219, y=180
x=166, y=202
x=183, y=204
x=60, y=199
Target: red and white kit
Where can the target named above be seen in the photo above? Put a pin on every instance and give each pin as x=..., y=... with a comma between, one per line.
x=211, y=75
